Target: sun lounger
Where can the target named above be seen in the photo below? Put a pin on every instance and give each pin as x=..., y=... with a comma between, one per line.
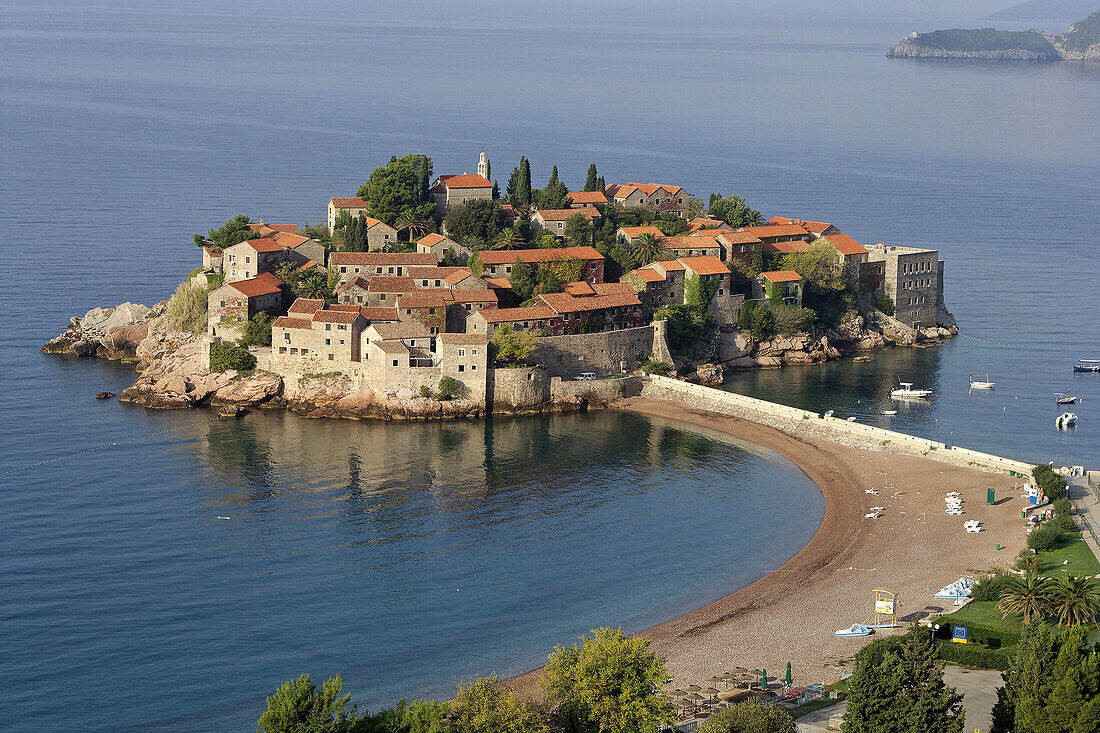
x=872, y=515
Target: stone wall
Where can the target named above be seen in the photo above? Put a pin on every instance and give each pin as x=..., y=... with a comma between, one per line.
x=799, y=422
x=596, y=391
x=607, y=353
x=517, y=389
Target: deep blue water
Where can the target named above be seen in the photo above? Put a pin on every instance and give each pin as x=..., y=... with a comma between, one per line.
x=409, y=556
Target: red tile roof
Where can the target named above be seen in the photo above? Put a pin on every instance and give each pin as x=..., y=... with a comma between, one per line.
x=431, y=239
x=623, y=191
x=588, y=212
x=474, y=295
x=360, y=282
x=289, y=240
x=403, y=330
x=609, y=288
x=263, y=284
x=731, y=238
x=579, y=288
x=782, y=276
x=788, y=247
x=817, y=227
x=466, y=180
x=507, y=257
x=390, y=284
x=566, y=303
x=306, y=306
x=648, y=275
x=776, y=230
x=511, y=315
x=351, y=202
x=703, y=223
x=334, y=316
x=669, y=265
x=499, y=283
x=708, y=265
x=633, y=232
x=383, y=258
x=423, y=299
x=391, y=346
x=263, y=228
x=376, y=315
x=263, y=244
x=288, y=322
x=459, y=275
x=587, y=197
x=693, y=242
x=845, y=245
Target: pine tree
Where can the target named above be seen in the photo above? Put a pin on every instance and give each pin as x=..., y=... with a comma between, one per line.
x=553, y=196
x=601, y=185
x=496, y=191
x=512, y=191
x=590, y=181
x=488, y=169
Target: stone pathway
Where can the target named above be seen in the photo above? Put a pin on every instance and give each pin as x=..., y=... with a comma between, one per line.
x=1088, y=511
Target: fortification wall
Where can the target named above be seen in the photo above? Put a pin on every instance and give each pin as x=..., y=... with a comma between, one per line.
x=607, y=353
x=517, y=389
x=797, y=422
x=596, y=391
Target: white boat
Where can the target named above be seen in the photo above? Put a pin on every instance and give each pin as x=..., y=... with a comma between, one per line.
x=959, y=589
x=1064, y=398
x=981, y=381
x=852, y=419
x=855, y=630
x=1065, y=420
x=828, y=413
x=889, y=412
x=906, y=390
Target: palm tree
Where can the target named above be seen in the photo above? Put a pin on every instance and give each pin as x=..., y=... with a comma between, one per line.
x=314, y=285
x=508, y=239
x=1074, y=599
x=416, y=226
x=648, y=248
x=1027, y=596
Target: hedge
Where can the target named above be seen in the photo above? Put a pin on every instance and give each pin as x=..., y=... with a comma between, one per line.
x=1052, y=484
x=990, y=636
x=225, y=356
x=975, y=655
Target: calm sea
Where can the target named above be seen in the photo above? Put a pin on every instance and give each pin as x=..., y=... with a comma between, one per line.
x=407, y=557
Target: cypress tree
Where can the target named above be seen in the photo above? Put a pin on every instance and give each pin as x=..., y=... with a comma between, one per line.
x=590, y=181
x=489, y=169
x=525, y=181
x=496, y=191
x=601, y=185
x=512, y=191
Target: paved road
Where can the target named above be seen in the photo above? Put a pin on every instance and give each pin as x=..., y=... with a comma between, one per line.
x=978, y=687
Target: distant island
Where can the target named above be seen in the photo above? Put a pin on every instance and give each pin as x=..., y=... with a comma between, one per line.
x=1080, y=43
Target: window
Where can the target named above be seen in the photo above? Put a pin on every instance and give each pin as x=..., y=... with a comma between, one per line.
x=389, y=270
x=437, y=283
x=342, y=327
x=467, y=307
x=462, y=352
x=233, y=273
x=424, y=283
x=378, y=270
x=343, y=269
x=330, y=357
x=221, y=303
x=382, y=296
x=293, y=350
x=395, y=362
x=358, y=298
x=328, y=342
x=461, y=368
x=473, y=367
x=560, y=225
x=341, y=342
x=356, y=270
x=328, y=326
x=282, y=349
x=408, y=311
x=286, y=336
x=679, y=201
x=305, y=351
x=247, y=260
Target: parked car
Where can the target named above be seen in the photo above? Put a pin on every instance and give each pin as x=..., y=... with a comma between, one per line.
x=584, y=376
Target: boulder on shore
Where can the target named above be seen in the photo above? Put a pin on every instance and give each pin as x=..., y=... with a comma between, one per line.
x=104, y=395
x=711, y=375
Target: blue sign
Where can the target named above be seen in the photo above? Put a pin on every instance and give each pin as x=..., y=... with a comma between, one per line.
x=958, y=634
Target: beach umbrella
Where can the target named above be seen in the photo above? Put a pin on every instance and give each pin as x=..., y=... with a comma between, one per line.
x=763, y=679
x=716, y=679
x=693, y=688
x=788, y=679
x=678, y=693
x=709, y=691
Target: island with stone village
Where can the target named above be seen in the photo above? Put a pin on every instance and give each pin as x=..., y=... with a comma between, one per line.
x=441, y=296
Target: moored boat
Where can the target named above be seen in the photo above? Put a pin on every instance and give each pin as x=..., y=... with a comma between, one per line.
x=981, y=381
x=1065, y=398
x=854, y=630
x=1087, y=365
x=1065, y=420
x=906, y=390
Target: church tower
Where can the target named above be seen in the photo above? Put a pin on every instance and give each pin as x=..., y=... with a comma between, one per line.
x=483, y=165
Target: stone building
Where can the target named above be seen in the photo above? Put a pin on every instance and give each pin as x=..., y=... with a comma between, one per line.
x=586, y=199
x=700, y=223
x=590, y=311
x=665, y=283
x=498, y=263
x=449, y=191
x=913, y=279
x=554, y=220
x=817, y=228
x=784, y=284
x=353, y=205
x=350, y=265
x=228, y=307
x=700, y=244
x=653, y=196
x=248, y=259
x=212, y=259
x=438, y=245
x=540, y=320
x=626, y=236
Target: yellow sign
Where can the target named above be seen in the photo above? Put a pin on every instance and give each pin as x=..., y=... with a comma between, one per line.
x=884, y=606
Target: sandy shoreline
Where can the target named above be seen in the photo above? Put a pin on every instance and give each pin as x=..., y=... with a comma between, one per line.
x=914, y=549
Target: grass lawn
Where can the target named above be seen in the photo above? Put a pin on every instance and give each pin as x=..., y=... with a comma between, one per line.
x=1074, y=549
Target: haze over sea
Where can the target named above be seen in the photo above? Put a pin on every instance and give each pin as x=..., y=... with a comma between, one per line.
x=408, y=557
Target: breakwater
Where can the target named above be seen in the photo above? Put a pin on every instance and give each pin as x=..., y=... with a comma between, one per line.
x=797, y=422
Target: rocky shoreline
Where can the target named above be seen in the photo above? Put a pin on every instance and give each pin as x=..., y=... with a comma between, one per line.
x=905, y=48
x=173, y=367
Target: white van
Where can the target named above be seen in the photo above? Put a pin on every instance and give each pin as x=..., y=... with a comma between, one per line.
x=585, y=376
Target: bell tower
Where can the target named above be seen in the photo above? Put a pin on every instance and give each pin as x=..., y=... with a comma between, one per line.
x=483, y=165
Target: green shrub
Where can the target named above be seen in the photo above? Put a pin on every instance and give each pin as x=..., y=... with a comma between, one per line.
x=186, y=309
x=1065, y=523
x=1052, y=484
x=744, y=317
x=651, y=366
x=225, y=356
x=1062, y=506
x=885, y=305
x=449, y=387
x=996, y=637
x=1028, y=562
x=425, y=392
x=763, y=324
x=1045, y=538
x=975, y=655
x=988, y=588
x=257, y=331
x=790, y=319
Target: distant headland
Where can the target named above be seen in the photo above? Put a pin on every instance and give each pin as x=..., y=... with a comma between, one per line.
x=1080, y=43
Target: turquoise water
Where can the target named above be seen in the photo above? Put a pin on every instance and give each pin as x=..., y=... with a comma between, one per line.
x=407, y=557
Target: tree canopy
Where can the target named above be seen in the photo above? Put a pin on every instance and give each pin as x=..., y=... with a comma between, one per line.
x=397, y=186
x=609, y=681
x=476, y=223
x=518, y=192
x=297, y=706
x=578, y=230
x=750, y=717
x=818, y=266
x=592, y=180
x=512, y=348
x=484, y=706
x=734, y=211
x=234, y=231
x=897, y=688
x=554, y=193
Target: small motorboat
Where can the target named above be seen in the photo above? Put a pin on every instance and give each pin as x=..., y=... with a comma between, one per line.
x=855, y=630
x=906, y=391
x=981, y=381
x=1064, y=398
x=852, y=418
x=828, y=413
x=889, y=412
x=1087, y=365
x=861, y=359
x=1065, y=420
